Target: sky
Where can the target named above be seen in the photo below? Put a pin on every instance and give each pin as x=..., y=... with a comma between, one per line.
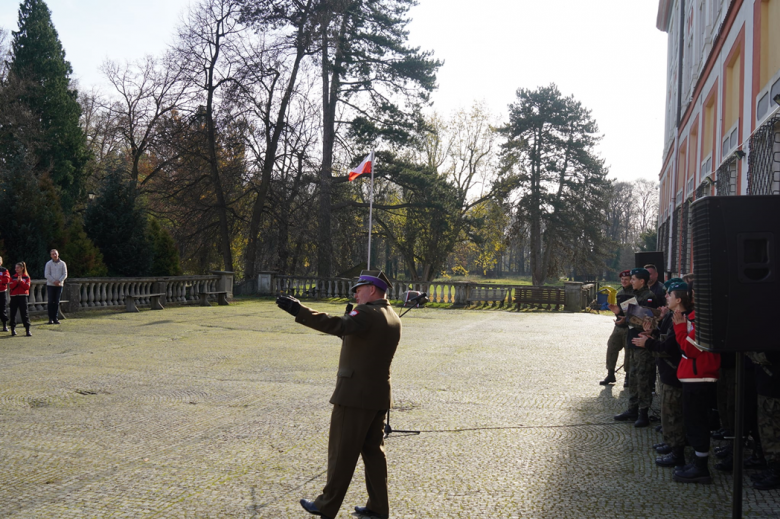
x=608, y=54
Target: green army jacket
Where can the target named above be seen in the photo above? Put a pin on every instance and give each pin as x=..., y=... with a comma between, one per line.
x=370, y=335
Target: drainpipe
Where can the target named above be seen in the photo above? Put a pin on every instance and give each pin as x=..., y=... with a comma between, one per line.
x=680, y=62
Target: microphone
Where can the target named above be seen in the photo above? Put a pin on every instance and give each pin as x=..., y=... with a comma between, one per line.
x=412, y=298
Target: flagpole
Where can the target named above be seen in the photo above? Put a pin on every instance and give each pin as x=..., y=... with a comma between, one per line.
x=370, y=211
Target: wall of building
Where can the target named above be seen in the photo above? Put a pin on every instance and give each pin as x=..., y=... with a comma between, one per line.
x=722, y=75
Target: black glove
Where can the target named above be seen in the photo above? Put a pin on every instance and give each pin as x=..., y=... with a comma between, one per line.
x=289, y=304
x=349, y=308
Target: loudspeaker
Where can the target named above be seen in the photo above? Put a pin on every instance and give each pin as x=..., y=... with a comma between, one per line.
x=735, y=264
x=655, y=258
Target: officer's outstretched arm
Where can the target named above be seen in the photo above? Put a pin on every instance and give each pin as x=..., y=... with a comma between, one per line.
x=354, y=322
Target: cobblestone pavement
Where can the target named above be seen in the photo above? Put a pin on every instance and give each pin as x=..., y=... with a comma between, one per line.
x=223, y=412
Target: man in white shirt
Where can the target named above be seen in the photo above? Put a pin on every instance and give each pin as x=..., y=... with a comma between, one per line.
x=56, y=272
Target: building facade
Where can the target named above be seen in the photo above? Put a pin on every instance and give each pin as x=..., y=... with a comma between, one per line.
x=722, y=131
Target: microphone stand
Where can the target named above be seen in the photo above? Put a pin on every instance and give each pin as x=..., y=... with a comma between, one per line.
x=419, y=301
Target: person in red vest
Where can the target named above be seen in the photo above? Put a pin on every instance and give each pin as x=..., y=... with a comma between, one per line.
x=20, y=292
x=5, y=278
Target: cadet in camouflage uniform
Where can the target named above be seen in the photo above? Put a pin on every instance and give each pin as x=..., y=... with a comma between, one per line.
x=370, y=334
x=662, y=343
x=642, y=362
x=767, y=373
x=617, y=340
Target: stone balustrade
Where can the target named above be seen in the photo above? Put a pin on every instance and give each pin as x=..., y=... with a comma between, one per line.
x=91, y=293
x=455, y=292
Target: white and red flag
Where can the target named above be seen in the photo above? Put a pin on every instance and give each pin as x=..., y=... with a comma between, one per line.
x=365, y=167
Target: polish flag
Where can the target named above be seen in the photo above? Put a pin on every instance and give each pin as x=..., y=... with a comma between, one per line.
x=364, y=168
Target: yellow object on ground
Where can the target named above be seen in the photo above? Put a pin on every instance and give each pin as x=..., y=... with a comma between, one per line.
x=611, y=294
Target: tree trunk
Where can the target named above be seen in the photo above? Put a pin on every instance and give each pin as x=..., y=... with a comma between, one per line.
x=537, y=269
x=272, y=145
x=330, y=91
x=224, y=228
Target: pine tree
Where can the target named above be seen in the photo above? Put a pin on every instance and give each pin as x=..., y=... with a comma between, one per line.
x=32, y=220
x=84, y=259
x=116, y=223
x=165, y=256
x=39, y=64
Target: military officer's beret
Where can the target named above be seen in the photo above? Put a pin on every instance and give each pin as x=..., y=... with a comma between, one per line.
x=641, y=273
x=681, y=286
x=669, y=282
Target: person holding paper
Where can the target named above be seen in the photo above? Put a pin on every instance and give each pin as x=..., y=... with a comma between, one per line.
x=662, y=343
x=642, y=369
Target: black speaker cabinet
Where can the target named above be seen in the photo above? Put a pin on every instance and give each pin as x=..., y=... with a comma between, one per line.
x=655, y=258
x=735, y=264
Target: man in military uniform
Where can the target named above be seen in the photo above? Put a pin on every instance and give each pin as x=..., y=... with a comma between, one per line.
x=656, y=287
x=617, y=340
x=766, y=372
x=642, y=369
x=370, y=334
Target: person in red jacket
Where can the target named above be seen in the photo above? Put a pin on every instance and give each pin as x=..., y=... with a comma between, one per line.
x=5, y=278
x=20, y=292
x=698, y=371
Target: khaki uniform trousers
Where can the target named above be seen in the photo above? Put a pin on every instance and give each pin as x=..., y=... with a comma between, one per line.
x=615, y=343
x=355, y=432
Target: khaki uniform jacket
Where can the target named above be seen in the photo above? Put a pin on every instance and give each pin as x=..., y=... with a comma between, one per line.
x=370, y=337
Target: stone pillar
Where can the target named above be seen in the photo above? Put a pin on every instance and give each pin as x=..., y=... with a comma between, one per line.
x=71, y=293
x=225, y=282
x=161, y=287
x=265, y=283
x=572, y=296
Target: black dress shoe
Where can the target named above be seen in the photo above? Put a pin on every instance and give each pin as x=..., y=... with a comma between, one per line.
x=362, y=510
x=309, y=507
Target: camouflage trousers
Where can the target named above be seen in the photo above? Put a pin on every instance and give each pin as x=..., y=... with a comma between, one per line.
x=615, y=343
x=640, y=378
x=769, y=427
x=672, y=416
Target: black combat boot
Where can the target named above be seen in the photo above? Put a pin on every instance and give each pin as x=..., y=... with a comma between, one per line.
x=756, y=460
x=726, y=464
x=630, y=414
x=5, y=326
x=664, y=449
x=696, y=472
x=642, y=420
x=28, y=334
x=725, y=451
x=676, y=458
x=13, y=331
x=770, y=480
x=610, y=378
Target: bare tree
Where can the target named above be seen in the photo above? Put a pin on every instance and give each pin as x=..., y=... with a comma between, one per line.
x=206, y=51
x=103, y=138
x=646, y=193
x=148, y=92
x=269, y=81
